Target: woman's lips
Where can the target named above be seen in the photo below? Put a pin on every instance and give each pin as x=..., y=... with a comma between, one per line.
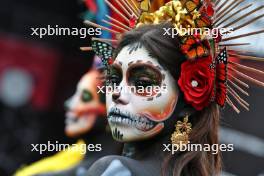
x=121, y=117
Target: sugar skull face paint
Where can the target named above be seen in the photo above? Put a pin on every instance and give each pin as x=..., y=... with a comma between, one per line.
x=84, y=106
x=135, y=115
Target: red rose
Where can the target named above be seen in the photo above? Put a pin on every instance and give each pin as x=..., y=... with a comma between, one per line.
x=197, y=82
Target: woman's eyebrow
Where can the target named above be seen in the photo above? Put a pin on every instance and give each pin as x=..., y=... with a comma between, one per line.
x=147, y=65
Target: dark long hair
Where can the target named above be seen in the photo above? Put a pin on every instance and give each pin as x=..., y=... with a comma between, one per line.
x=166, y=50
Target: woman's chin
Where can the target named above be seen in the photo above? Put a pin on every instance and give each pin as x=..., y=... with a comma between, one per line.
x=126, y=133
x=80, y=126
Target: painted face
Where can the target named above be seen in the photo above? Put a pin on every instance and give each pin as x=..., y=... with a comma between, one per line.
x=84, y=106
x=146, y=95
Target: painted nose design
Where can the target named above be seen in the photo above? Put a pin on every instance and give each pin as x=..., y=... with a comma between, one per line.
x=116, y=95
x=70, y=103
x=120, y=96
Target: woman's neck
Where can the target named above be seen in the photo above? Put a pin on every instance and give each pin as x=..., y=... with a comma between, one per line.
x=144, y=148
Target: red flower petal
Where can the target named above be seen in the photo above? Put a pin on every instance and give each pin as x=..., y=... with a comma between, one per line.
x=199, y=70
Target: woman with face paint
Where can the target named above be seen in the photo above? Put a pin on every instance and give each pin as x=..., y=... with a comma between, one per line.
x=144, y=121
x=165, y=91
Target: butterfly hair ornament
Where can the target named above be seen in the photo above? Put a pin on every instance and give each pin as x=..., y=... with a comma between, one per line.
x=212, y=71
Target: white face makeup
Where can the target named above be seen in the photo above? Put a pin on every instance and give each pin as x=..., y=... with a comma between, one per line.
x=84, y=106
x=132, y=115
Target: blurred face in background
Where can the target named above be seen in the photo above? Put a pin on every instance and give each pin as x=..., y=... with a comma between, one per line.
x=84, y=107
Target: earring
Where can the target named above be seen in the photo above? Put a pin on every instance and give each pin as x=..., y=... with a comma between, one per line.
x=182, y=131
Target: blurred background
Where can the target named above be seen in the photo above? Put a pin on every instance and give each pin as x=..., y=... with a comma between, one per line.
x=38, y=75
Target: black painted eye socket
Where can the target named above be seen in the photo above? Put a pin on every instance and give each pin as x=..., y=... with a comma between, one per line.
x=115, y=76
x=144, y=82
x=114, y=79
x=86, y=96
x=144, y=76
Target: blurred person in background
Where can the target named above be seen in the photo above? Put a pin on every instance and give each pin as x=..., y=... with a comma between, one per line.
x=85, y=119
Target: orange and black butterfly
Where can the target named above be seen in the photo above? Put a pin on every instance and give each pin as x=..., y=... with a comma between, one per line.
x=104, y=51
x=194, y=48
x=203, y=20
x=220, y=66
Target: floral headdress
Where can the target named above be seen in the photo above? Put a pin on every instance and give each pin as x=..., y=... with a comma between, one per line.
x=212, y=71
